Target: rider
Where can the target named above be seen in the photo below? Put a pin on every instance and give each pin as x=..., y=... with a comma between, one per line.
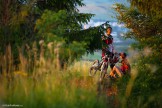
x=107, y=42
x=108, y=47
x=124, y=69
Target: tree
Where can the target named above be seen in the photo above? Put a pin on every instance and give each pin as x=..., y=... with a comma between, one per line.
x=145, y=27
x=14, y=29
x=148, y=7
x=28, y=21
x=52, y=27
x=66, y=22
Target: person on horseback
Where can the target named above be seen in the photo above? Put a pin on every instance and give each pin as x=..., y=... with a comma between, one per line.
x=124, y=69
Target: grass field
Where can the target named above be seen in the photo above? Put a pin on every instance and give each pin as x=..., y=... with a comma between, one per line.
x=70, y=88
x=48, y=86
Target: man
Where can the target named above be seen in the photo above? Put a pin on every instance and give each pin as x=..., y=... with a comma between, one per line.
x=107, y=43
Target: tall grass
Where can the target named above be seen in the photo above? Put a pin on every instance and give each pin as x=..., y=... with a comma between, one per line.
x=48, y=86
x=40, y=82
x=53, y=91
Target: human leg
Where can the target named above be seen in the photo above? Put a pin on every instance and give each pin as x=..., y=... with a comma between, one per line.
x=116, y=70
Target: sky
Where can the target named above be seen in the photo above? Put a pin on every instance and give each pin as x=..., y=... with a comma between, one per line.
x=101, y=8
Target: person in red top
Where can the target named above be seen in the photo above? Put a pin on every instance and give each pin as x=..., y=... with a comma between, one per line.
x=107, y=43
x=107, y=47
x=124, y=69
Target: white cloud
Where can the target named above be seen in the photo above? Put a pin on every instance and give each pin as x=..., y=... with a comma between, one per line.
x=103, y=9
x=93, y=23
x=116, y=24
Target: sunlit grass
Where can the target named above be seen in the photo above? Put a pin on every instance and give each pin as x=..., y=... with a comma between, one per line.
x=48, y=86
x=71, y=88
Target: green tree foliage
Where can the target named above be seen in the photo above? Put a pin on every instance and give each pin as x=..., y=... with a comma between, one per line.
x=146, y=29
x=62, y=19
x=70, y=6
x=56, y=5
x=152, y=8
x=55, y=21
x=52, y=27
x=15, y=28
x=24, y=22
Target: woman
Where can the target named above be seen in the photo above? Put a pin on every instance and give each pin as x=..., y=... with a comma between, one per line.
x=124, y=69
